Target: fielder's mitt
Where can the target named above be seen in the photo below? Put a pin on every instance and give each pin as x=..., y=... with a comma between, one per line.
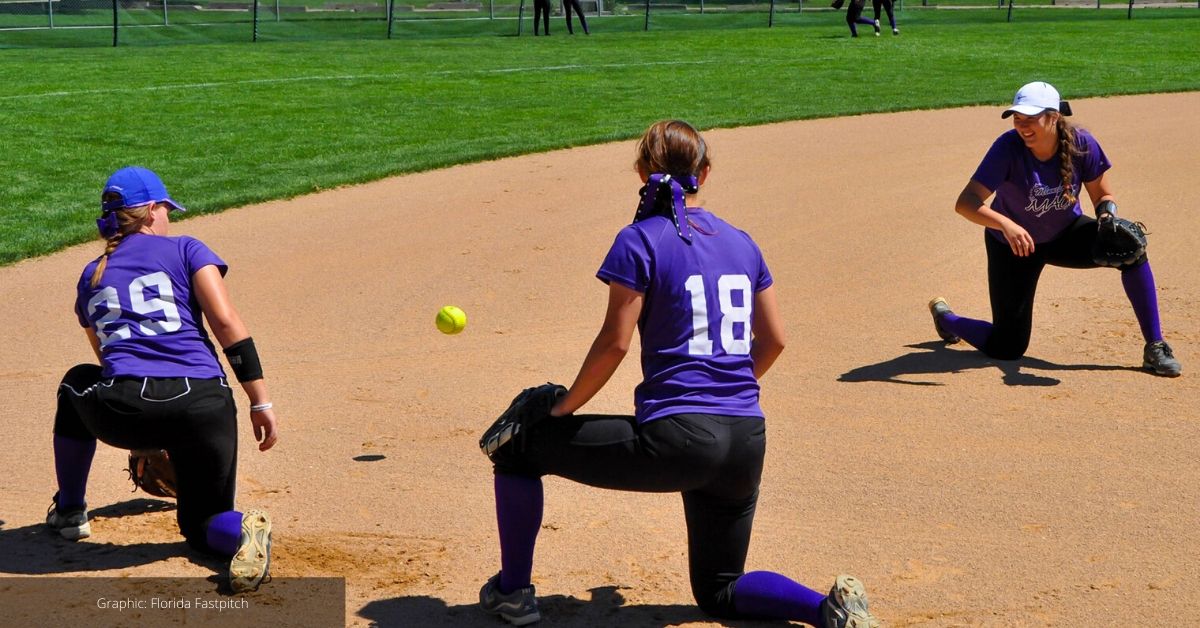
x=526, y=410
x=1119, y=242
x=151, y=470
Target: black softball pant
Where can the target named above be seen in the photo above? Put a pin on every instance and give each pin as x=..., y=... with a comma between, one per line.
x=887, y=6
x=1012, y=282
x=716, y=463
x=568, y=6
x=541, y=9
x=195, y=420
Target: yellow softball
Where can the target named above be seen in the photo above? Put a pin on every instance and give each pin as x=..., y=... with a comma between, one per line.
x=451, y=320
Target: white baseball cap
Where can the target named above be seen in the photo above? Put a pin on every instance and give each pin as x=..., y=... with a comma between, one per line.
x=1036, y=97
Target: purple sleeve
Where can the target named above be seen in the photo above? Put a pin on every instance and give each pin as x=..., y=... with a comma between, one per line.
x=197, y=255
x=628, y=261
x=996, y=164
x=763, y=279
x=1093, y=162
x=80, y=306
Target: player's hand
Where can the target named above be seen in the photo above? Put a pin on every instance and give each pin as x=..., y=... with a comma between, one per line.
x=264, y=428
x=1018, y=238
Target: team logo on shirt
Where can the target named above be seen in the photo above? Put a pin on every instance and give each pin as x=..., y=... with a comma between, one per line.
x=1044, y=199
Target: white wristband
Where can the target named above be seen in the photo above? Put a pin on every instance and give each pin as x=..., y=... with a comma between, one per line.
x=259, y=407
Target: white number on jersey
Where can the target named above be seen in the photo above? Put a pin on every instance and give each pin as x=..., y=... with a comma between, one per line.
x=699, y=343
x=165, y=303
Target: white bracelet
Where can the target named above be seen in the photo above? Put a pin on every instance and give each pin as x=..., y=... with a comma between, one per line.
x=259, y=407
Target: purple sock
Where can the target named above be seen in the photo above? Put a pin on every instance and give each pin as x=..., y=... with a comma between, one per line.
x=766, y=594
x=519, y=518
x=1139, y=287
x=72, y=463
x=224, y=532
x=975, y=332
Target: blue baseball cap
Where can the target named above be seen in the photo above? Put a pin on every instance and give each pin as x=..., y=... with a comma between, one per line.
x=133, y=187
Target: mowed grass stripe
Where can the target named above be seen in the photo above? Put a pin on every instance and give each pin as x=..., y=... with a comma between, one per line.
x=281, y=119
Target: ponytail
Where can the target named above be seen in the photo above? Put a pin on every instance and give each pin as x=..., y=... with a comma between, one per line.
x=1068, y=150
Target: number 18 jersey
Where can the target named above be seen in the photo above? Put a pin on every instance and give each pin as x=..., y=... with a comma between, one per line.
x=696, y=312
x=144, y=312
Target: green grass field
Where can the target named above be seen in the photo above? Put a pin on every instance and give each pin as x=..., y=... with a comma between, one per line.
x=230, y=124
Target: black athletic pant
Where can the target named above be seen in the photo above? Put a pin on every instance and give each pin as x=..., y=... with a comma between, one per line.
x=716, y=462
x=568, y=5
x=195, y=420
x=1012, y=282
x=887, y=6
x=541, y=8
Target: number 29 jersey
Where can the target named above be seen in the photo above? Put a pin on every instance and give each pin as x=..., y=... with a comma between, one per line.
x=144, y=312
x=696, y=312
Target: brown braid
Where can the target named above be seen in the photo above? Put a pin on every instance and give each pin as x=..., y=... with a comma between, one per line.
x=1068, y=149
x=130, y=220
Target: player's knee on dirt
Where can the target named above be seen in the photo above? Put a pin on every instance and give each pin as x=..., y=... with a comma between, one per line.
x=715, y=596
x=998, y=349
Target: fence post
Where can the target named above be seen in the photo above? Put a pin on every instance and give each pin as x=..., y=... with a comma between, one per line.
x=165, y=22
x=255, y=18
x=701, y=7
x=520, y=17
x=276, y=10
x=771, y=15
x=391, y=13
x=114, y=3
x=647, y=26
x=50, y=11
x=1010, y=7
x=1130, y=10
x=491, y=9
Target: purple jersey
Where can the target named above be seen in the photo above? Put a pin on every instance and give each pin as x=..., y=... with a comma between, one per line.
x=1030, y=191
x=144, y=312
x=696, y=313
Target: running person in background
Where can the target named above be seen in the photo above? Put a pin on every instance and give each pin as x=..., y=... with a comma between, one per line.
x=541, y=10
x=887, y=6
x=1036, y=172
x=854, y=16
x=700, y=293
x=159, y=384
x=568, y=5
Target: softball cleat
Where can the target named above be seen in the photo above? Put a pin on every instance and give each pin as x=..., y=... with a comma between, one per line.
x=938, y=308
x=846, y=606
x=518, y=608
x=69, y=524
x=1158, y=358
x=251, y=565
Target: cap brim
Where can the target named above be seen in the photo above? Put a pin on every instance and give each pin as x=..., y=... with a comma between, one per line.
x=173, y=204
x=1027, y=110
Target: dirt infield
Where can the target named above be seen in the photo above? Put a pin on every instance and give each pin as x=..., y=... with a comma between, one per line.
x=1060, y=490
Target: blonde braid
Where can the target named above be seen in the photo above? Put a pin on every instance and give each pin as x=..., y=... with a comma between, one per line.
x=129, y=220
x=1067, y=151
x=112, y=246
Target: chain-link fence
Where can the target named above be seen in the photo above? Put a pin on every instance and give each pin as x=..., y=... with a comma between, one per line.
x=119, y=22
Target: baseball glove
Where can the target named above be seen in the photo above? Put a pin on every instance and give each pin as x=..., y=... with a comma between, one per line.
x=151, y=470
x=527, y=409
x=1119, y=242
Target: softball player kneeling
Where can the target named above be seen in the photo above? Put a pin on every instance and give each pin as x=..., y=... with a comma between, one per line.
x=159, y=384
x=701, y=295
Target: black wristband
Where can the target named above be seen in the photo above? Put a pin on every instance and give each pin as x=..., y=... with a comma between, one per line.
x=243, y=359
x=1106, y=207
